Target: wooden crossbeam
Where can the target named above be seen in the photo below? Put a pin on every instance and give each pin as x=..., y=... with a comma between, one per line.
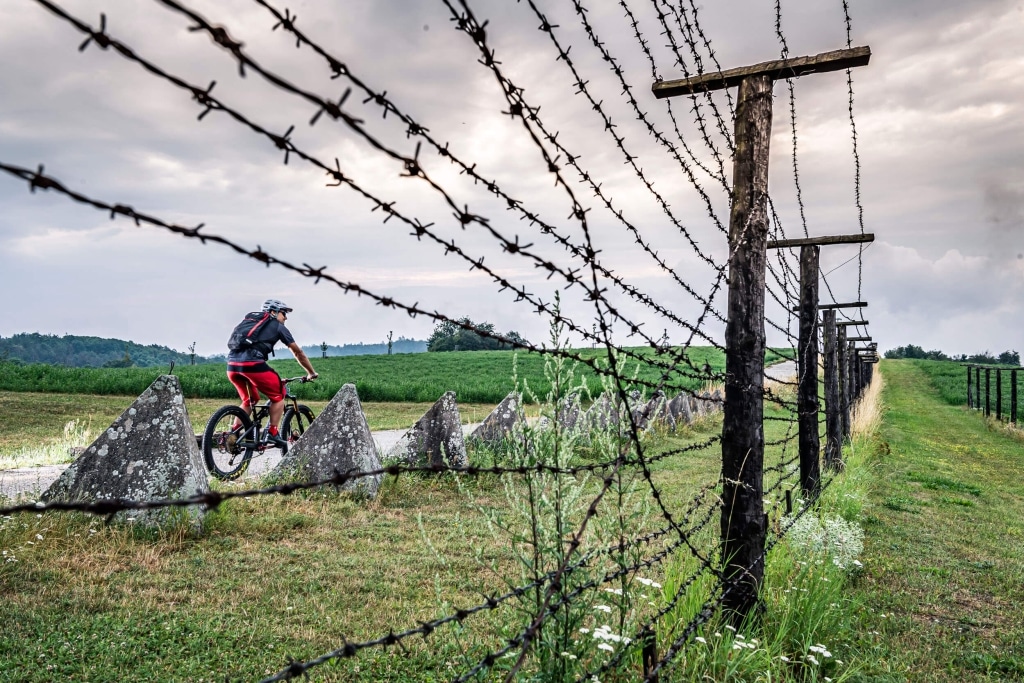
x=852, y=304
x=856, y=339
x=847, y=323
x=836, y=60
x=822, y=241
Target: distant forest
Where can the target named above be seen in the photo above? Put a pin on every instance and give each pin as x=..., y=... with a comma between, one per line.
x=90, y=352
x=96, y=352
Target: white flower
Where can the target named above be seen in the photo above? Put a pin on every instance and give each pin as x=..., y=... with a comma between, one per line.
x=569, y=655
x=584, y=630
x=606, y=646
x=700, y=639
x=784, y=658
x=603, y=608
x=648, y=582
x=731, y=628
x=615, y=591
x=812, y=660
x=39, y=536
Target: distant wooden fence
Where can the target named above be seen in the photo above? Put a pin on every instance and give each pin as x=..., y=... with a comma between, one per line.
x=980, y=398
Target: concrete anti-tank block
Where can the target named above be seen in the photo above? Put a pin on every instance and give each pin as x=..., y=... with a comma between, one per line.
x=147, y=453
x=500, y=422
x=338, y=440
x=435, y=439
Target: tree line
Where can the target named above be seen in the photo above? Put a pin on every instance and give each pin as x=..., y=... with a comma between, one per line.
x=983, y=358
x=451, y=336
x=91, y=352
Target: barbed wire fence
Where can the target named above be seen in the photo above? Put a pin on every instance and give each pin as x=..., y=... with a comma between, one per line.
x=621, y=308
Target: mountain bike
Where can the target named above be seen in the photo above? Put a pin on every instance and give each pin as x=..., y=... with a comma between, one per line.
x=233, y=436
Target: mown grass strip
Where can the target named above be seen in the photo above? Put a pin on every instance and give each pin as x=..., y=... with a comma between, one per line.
x=944, y=576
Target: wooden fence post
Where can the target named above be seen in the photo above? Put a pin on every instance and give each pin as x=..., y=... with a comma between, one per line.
x=743, y=520
x=999, y=394
x=969, y=395
x=833, y=404
x=807, y=400
x=844, y=381
x=988, y=392
x=1013, y=396
x=977, y=384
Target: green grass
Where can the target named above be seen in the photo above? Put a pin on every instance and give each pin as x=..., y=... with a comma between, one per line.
x=950, y=380
x=475, y=376
x=944, y=556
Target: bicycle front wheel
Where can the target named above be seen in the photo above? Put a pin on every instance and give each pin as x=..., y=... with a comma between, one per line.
x=296, y=422
x=228, y=443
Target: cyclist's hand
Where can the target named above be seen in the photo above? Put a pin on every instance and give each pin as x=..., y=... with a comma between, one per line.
x=311, y=376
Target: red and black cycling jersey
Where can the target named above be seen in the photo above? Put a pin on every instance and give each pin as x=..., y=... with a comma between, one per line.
x=272, y=333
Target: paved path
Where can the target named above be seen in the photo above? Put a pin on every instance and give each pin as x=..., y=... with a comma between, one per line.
x=784, y=371
x=31, y=481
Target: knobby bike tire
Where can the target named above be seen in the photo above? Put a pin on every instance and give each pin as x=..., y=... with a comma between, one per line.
x=296, y=422
x=224, y=458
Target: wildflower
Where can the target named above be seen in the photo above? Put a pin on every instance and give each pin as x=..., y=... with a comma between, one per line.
x=648, y=582
x=614, y=591
x=606, y=646
x=700, y=639
x=731, y=628
x=857, y=563
x=821, y=650
x=603, y=608
x=812, y=660
x=39, y=536
x=784, y=658
x=569, y=655
x=584, y=630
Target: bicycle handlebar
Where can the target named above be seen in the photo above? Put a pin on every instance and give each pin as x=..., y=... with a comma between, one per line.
x=301, y=379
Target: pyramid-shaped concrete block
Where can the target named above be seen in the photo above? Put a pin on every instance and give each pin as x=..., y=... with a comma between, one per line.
x=568, y=412
x=500, y=422
x=338, y=440
x=653, y=411
x=681, y=410
x=603, y=413
x=148, y=453
x=436, y=438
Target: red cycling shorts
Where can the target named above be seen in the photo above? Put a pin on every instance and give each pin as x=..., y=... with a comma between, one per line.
x=253, y=377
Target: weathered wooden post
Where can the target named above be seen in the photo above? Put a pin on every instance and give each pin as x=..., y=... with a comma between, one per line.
x=1013, y=396
x=977, y=384
x=988, y=392
x=970, y=396
x=999, y=394
x=833, y=405
x=744, y=522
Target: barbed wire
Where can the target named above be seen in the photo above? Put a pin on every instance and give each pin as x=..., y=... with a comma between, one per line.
x=679, y=528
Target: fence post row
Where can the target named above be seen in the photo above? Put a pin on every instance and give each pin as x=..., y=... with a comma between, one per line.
x=744, y=525
x=988, y=392
x=977, y=384
x=808, y=404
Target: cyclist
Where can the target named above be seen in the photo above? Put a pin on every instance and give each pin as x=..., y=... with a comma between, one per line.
x=251, y=342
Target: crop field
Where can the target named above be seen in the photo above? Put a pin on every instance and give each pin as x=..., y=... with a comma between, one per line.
x=475, y=376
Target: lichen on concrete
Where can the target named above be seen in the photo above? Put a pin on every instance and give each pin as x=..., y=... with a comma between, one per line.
x=148, y=453
x=338, y=440
x=500, y=422
x=436, y=438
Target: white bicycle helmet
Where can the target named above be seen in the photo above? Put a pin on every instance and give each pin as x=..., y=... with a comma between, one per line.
x=273, y=305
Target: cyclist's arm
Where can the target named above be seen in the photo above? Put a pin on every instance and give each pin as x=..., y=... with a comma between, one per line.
x=300, y=356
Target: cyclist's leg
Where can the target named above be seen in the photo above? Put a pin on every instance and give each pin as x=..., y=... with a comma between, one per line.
x=247, y=391
x=269, y=383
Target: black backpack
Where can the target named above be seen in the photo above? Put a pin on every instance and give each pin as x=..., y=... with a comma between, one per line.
x=252, y=333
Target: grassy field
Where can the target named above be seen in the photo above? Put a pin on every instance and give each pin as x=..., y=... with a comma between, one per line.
x=944, y=558
x=42, y=434
x=273, y=577
x=950, y=379
x=475, y=377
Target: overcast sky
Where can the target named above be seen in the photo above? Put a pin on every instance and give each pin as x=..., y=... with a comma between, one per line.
x=938, y=117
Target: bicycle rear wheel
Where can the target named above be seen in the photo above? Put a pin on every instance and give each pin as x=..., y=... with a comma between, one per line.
x=227, y=449
x=296, y=422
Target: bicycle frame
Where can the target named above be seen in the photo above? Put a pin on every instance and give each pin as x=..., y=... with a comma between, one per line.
x=260, y=412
